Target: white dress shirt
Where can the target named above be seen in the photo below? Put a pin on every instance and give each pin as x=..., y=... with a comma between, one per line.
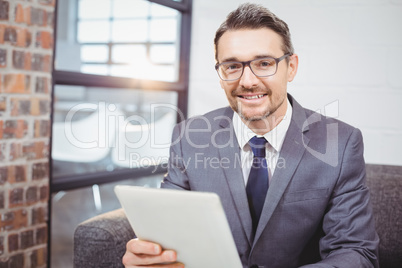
x=275, y=140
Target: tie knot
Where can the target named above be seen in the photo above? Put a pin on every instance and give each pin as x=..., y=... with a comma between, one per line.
x=257, y=144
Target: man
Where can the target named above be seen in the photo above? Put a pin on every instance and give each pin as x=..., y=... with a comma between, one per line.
x=302, y=199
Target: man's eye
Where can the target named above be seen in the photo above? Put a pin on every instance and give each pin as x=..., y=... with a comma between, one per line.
x=233, y=66
x=266, y=63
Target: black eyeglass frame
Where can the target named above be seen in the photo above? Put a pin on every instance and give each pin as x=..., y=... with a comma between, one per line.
x=247, y=63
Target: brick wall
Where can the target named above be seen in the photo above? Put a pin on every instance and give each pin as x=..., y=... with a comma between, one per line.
x=26, y=41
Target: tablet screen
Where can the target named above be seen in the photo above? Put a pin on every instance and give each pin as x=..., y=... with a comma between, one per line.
x=193, y=224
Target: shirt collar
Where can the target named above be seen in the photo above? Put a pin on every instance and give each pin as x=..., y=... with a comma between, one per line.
x=275, y=137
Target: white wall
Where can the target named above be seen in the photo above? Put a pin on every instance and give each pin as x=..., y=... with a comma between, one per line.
x=350, y=54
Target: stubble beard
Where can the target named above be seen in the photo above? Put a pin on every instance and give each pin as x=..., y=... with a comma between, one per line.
x=237, y=106
x=255, y=118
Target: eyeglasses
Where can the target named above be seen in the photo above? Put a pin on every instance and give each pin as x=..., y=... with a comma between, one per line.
x=262, y=67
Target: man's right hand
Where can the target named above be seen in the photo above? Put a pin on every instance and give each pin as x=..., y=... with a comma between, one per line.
x=140, y=253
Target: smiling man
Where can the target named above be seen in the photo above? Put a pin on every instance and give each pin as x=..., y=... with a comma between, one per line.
x=292, y=182
x=254, y=73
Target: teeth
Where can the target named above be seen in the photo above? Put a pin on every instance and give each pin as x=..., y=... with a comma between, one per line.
x=253, y=97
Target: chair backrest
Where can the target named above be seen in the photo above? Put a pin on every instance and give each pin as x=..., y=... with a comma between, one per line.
x=385, y=183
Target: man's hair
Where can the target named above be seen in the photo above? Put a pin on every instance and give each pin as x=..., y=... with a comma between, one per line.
x=253, y=16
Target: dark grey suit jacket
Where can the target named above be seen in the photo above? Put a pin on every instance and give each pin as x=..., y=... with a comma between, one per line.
x=317, y=211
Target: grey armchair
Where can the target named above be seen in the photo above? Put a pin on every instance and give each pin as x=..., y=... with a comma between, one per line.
x=101, y=240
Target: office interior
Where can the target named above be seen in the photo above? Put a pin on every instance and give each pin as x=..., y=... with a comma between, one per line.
x=126, y=71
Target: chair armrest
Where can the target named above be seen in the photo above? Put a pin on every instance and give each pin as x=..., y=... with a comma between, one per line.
x=385, y=183
x=101, y=241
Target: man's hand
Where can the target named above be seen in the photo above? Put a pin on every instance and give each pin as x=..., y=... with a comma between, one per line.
x=140, y=253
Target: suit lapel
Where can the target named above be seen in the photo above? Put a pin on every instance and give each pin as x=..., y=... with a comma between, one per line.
x=233, y=174
x=290, y=156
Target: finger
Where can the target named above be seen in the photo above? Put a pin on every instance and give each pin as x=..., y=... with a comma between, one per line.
x=170, y=265
x=166, y=257
x=143, y=247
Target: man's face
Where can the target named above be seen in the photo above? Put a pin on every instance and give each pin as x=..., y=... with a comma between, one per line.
x=255, y=98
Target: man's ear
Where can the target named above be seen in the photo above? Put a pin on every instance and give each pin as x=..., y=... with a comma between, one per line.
x=293, y=65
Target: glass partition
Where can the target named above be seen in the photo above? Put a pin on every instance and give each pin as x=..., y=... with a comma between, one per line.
x=98, y=129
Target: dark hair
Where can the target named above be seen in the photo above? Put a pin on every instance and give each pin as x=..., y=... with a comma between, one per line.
x=253, y=16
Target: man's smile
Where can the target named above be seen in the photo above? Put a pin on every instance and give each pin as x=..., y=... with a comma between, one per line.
x=252, y=97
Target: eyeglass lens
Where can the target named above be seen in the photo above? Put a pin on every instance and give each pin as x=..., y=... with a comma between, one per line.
x=260, y=67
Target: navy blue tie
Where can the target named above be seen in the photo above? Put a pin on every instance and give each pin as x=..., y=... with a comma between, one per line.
x=257, y=184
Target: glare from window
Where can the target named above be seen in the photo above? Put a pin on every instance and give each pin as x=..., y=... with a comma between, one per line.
x=145, y=70
x=94, y=53
x=163, y=54
x=162, y=11
x=130, y=30
x=87, y=10
x=130, y=9
x=124, y=71
x=165, y=72
x=129, y=38
x=93, y=31
x=100, y=69
x=129, y=54
x=163, y=30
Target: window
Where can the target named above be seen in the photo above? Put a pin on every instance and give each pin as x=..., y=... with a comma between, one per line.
x=120, y=76
x=120, y=84
x=130, y=38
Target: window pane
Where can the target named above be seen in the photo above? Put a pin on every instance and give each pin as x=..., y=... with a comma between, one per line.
x=108, y=129
x=101, y=69
x=130, y=30
x=164, y=73
x=123, y=71
x=133, y=70
x=94, y=9
x=163, y=54
x=95, y=53
x=146, y=71
x=93, y=31
x=130, y=9
x=129, y=54
x=163, y=30
x=162, y=11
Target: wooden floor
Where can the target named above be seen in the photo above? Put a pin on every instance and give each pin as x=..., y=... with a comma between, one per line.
x=72, y=207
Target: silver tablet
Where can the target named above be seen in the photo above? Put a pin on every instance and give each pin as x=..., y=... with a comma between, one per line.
x=193, y=224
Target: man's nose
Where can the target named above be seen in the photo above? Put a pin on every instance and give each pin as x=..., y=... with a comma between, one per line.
x=248, y=79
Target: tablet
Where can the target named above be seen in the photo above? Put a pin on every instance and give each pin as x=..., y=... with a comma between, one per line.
x=193, y=224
